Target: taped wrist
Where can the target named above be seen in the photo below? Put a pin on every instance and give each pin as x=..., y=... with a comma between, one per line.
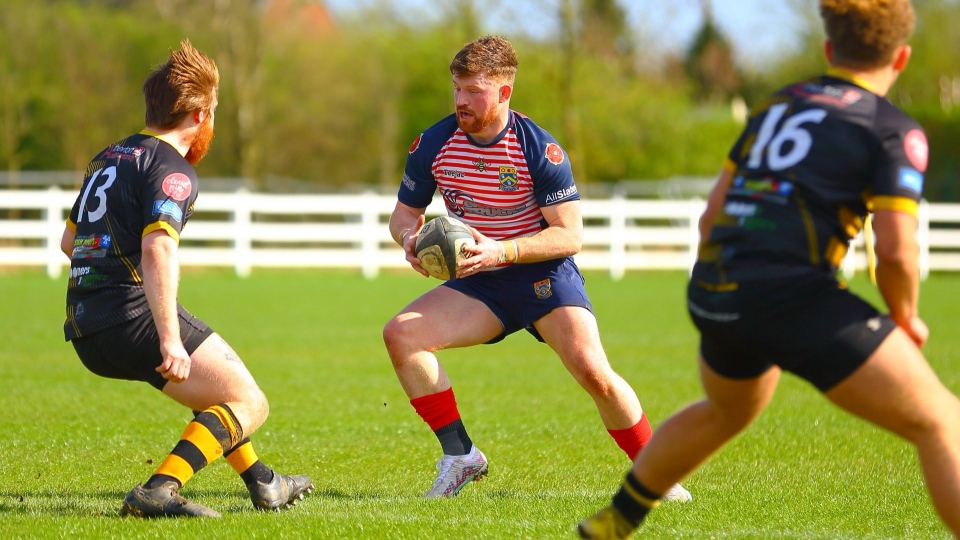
x=508, y=251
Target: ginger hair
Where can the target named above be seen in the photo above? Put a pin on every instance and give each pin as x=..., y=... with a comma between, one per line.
x=187, y=83
x=490, y=55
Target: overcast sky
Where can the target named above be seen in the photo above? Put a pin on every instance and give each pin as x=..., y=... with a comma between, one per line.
x=758, y=28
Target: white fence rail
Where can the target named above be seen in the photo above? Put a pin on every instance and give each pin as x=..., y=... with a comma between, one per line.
x=244, y=230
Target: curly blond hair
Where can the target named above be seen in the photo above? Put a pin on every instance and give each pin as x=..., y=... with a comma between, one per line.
x=866, y=33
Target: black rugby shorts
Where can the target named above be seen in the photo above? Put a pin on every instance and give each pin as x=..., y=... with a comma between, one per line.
x=131, y=350
x=807, y=324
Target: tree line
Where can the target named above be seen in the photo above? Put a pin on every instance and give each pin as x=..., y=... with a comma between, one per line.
x=338, y=102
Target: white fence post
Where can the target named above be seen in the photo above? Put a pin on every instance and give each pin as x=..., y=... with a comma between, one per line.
x=55, y=225
x=923, y=238
x=618, y=235
x=242, y=242
x=369, y=244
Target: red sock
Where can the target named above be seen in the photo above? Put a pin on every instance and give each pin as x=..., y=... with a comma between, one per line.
x=632, y=440
x=438, y=410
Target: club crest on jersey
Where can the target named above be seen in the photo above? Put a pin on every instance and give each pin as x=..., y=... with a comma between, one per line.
x=542, y=289
x=177, y=186
x=480, y=164
x=508, y=179
x=554, y=153
x=415, y=145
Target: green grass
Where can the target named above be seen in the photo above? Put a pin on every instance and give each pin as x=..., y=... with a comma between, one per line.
x=73, y=444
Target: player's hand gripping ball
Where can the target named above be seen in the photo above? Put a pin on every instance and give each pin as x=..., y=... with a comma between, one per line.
x=440, y=246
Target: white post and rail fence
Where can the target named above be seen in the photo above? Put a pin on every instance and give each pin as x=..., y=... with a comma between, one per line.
x=245, y=230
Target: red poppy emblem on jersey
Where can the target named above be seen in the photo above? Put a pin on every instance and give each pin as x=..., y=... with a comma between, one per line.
x=415, y=145
x=177, y=186
x=554, y=154
x=915, y=145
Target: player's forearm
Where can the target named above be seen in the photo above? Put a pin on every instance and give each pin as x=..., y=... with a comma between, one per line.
x=402, y=223
x=550, y=243
x=898, y=278
x=161, y=276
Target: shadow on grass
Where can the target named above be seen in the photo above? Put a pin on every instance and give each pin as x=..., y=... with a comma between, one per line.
x=107, y=503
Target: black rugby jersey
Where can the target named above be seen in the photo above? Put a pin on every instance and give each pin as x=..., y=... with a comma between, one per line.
x=132, y=188
x=813, y=160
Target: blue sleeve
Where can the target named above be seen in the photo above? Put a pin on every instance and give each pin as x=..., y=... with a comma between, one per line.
x=418, y=184
x=548, y=164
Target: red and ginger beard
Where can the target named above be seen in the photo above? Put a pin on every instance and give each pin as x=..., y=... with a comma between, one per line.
x=201, y=142
x=477, y=124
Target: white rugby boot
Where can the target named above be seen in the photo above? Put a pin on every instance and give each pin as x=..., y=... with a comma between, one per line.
x=456, y=472
x=677, y=494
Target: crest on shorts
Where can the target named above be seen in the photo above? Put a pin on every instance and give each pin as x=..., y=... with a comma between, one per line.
x=508, y=179
x=554, y=154
x=542, y=289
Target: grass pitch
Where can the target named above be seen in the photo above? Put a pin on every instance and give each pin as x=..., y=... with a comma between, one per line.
x=73, y=444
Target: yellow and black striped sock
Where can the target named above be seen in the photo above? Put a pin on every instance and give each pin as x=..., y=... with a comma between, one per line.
x=243, y=458
x=634, y=501
x=202, y=443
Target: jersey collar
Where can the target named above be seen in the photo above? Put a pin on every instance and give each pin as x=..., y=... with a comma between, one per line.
x=840, y=73
x=165, y=138
x=496, y=139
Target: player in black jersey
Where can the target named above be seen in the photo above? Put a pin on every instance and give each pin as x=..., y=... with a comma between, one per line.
x=122, y=313
x=813, y=160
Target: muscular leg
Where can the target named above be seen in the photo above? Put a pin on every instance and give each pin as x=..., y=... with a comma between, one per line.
x=218, y=376
x=572, y=333
x=440, y=319
x=896, y=390
x=691, y=436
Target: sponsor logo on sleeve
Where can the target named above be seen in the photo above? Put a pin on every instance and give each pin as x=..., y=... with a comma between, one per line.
x=554, y=153
x=561, y=194
x=542, y=289
x=911, y=179
x=415, y=145
x=915, y=145
x=177, y=186
x=408, y=182
x=508, y=179
x=169, y=208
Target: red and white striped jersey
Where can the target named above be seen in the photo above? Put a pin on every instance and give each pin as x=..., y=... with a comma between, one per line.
x=496, y=188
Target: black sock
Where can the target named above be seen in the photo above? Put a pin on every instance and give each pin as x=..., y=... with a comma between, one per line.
x=454, y=439
x=634, y=501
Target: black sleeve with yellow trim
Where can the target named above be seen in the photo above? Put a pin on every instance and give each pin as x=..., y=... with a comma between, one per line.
x=169, y=191
x=897, y=180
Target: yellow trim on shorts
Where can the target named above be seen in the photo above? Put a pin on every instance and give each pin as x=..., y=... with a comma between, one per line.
x=161, y=226
x=894, y=204
x=198, y=435
x=719, y=287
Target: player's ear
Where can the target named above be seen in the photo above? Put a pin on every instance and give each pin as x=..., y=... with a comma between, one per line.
x=198, y=116
x=902, y=57
x=505, y=92
x=828, y=51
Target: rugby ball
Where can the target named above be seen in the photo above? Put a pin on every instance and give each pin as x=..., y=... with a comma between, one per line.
x=440, y=246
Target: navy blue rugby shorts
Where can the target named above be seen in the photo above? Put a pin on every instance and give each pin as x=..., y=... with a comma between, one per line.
x=131, y=350
x=522, y=294
x=806, y=324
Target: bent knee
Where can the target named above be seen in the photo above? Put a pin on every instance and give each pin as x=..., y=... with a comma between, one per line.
x=598, y=381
